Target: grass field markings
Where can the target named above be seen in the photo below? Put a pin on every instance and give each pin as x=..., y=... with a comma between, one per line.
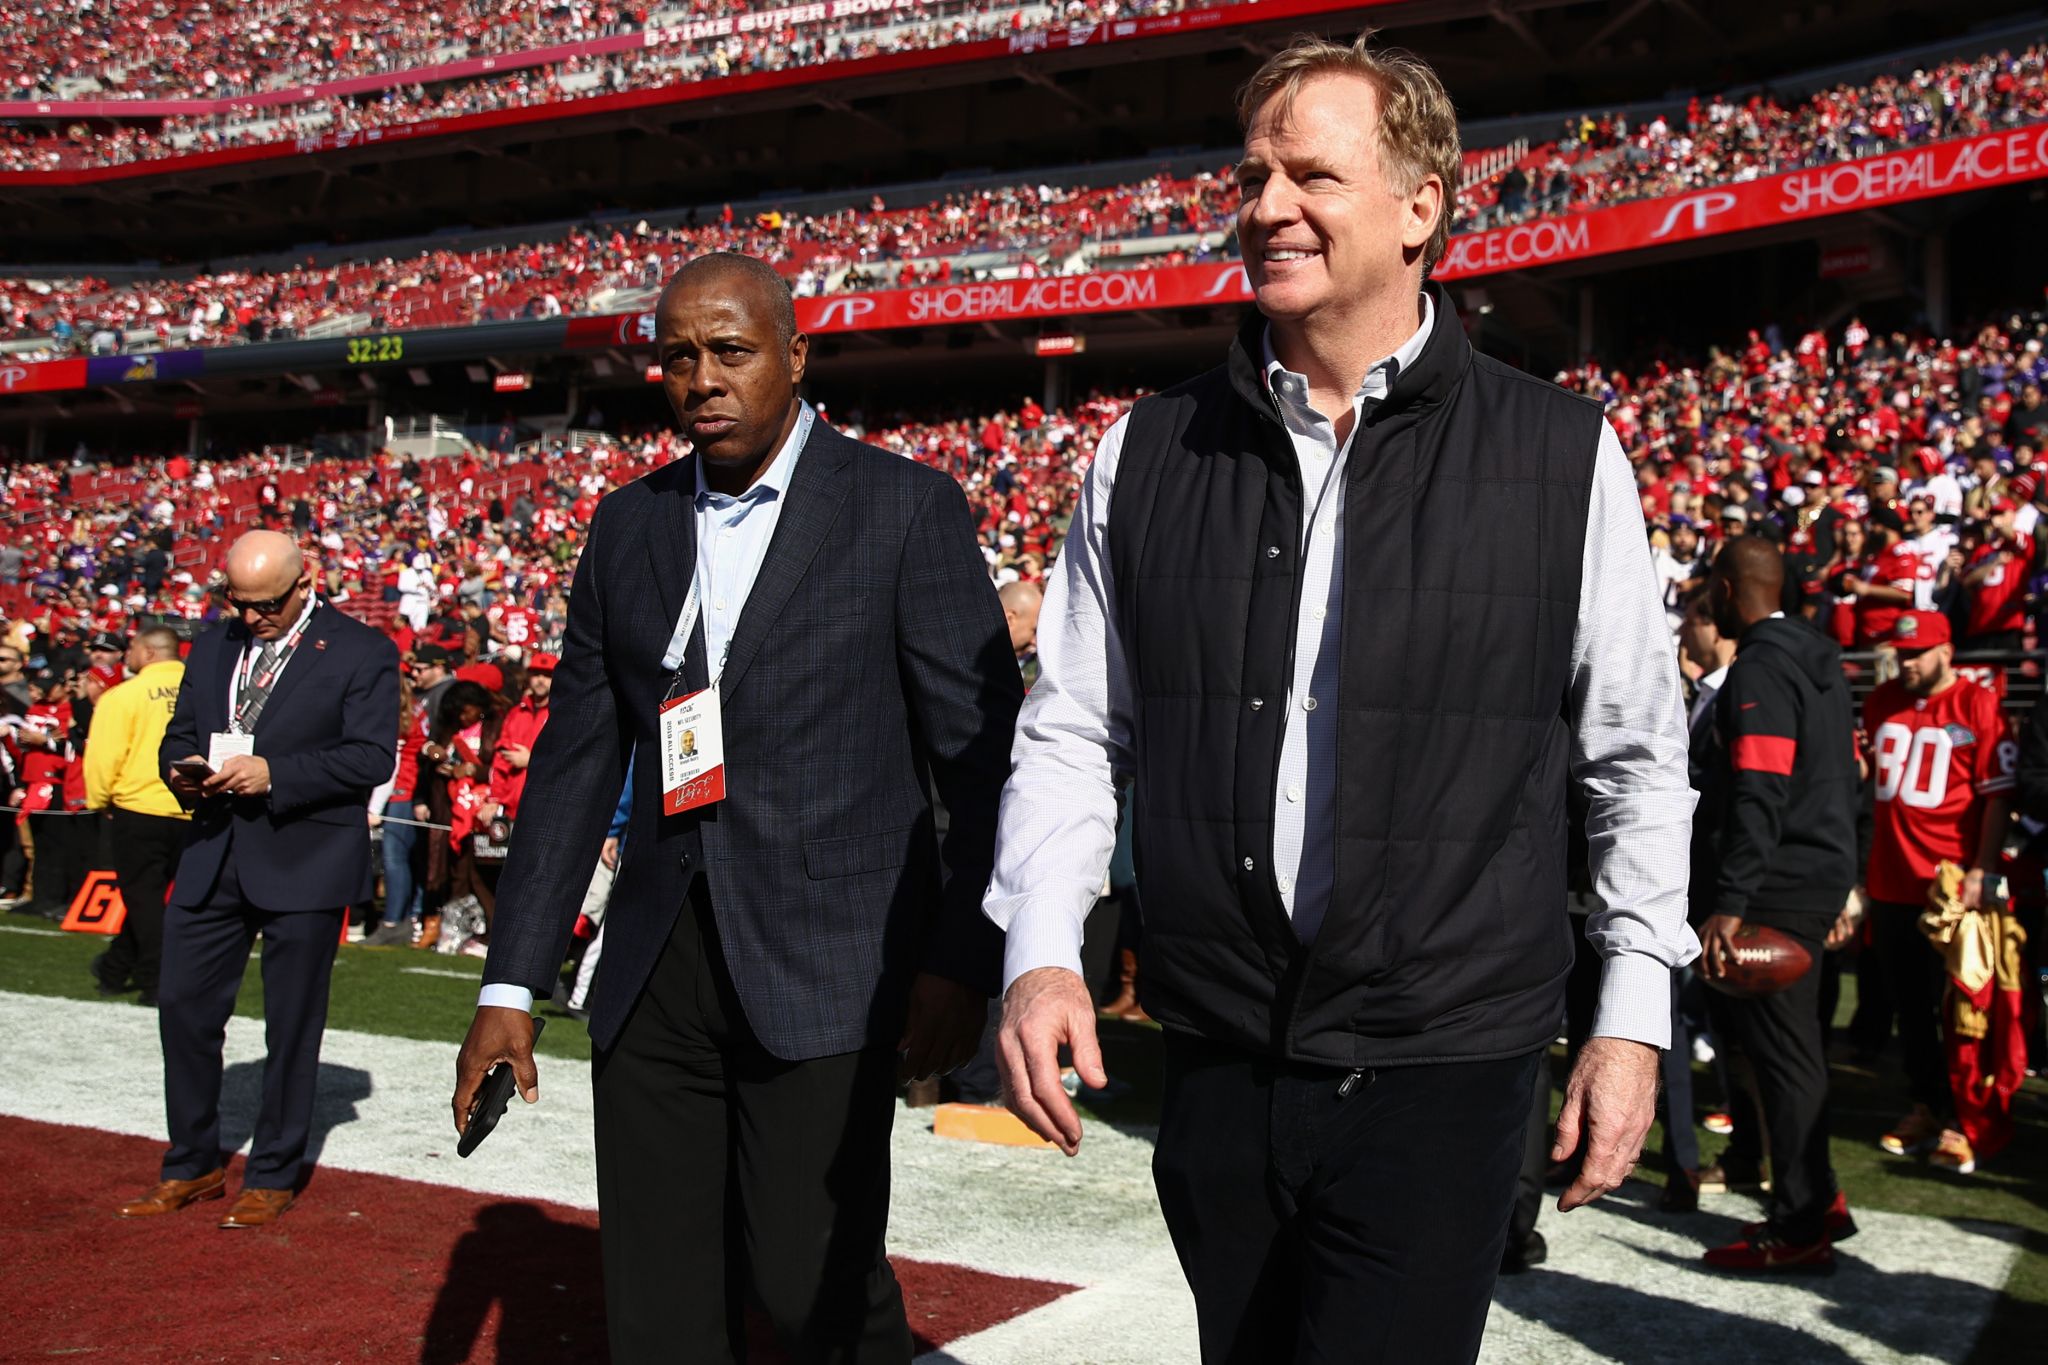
x=26, y=929
x=436, y=971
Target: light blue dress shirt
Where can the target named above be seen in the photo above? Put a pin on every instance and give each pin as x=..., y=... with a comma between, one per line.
x=732, y=538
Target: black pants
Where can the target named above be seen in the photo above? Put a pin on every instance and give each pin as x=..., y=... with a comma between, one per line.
x=205, y=952
x=1356, y=1229
x=1779, y=1037
x=1674, y=1067
x=63, y=843
x=1535, y=1159
x=144, y=849
x=722, y=1168
x=1913, y=975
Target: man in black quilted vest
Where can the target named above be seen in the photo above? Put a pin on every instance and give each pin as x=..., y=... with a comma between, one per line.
x=1352, y=612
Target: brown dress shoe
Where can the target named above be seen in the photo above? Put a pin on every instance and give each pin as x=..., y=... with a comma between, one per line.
x=173, y=1195
x=257, y=1208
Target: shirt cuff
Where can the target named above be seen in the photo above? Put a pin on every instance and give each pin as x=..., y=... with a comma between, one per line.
x=1041, y=937
x=505, y=996
x=1635, y=1000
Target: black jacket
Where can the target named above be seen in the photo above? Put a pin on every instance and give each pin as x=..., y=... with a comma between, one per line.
x=870, y=655
x=1786, y=851
x=328, y=732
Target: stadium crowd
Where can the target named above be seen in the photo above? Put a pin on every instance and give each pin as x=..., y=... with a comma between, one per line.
x=1023, y=229
x=1606, y=159
x=661, y=61
x=852, y=248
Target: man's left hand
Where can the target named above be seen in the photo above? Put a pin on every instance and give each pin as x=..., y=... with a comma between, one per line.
x=942, y=1029
x=1972, y=891
x=1609, y=1103
x=1717, y=945
x=242, y=775
x=518, y=755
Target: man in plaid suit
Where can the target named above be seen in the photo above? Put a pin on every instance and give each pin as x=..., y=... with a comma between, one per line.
x=778, y=958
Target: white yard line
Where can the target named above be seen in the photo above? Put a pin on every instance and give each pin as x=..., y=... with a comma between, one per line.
x=1622, y=1281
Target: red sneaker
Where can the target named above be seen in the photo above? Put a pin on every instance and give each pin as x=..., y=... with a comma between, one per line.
x=1839, y=1226
x=1767, y=1254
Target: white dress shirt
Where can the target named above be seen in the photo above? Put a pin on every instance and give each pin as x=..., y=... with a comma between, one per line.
x=733, y=532
x=1057, y=825
x=1305, y=800
x=1703, y=696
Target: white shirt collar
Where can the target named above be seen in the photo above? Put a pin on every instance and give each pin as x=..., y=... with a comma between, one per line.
x=1713, y=681
x=774, y=482
x=1376, y=383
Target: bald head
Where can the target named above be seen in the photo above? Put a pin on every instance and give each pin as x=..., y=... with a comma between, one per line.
x=267, y=583
x=748, y=279
x=1021, y=602
x=263, y=564
x=1748, y=584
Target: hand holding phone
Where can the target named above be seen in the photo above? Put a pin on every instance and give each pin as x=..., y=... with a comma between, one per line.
x=492, y=1098
x=187, y=774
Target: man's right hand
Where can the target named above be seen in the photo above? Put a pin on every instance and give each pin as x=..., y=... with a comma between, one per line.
x=496, y=1035
x=609, y=855
x=183, y=785
x=1045, y=1009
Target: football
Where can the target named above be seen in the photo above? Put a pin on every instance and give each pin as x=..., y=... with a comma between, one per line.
x=1766, y=960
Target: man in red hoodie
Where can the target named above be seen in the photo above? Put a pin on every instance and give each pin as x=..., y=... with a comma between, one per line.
x=521, y=728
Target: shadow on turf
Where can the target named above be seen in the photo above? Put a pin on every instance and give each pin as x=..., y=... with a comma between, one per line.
x=540, y=1273
x=1619, y=1323
x=1850, y=1298
x=545, y=1278
x=341, y=1088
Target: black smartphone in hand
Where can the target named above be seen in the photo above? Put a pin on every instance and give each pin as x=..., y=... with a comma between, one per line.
x=492, y=1099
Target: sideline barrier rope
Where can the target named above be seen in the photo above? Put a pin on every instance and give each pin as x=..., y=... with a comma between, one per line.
x=387, y=819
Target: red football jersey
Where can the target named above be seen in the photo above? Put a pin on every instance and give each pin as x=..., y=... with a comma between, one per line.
x=521, y=624
x=1900, y=566
x=2000, y=602
x=1938, y=759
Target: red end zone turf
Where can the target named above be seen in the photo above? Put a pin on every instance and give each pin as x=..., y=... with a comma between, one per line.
x=364, y=1268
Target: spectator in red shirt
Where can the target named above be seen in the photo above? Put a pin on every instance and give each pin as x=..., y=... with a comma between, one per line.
x=1996, y=581
x=516, y=738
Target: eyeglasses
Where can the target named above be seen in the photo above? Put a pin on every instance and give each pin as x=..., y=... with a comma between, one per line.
x=267, y=606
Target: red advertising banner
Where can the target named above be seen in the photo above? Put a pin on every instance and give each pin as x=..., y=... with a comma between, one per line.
x=1938, y=168
x=687, y=91
x=22, y=376
x=1060, y=296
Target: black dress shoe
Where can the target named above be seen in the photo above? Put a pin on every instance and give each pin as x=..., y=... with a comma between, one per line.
x=106, y=984
x=1532, y=1252
x=1681, y=1193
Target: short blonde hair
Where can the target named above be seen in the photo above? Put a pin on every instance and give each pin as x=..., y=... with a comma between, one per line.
x=1417, y=134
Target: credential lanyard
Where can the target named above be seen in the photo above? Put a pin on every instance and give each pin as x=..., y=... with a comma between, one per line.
x=686, y=625
x=286, y=647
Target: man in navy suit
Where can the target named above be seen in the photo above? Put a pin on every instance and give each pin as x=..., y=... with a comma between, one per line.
x=774, y=959
x=292, y=707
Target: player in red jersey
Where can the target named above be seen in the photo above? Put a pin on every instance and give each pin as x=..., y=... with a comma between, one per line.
x=1945, y=772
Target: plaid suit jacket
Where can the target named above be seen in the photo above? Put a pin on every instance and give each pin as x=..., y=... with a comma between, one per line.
x=870, y=662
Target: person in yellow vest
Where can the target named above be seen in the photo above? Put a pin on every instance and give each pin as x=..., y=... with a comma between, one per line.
x=145, y=826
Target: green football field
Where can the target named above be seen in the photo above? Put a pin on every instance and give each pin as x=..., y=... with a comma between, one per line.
x=409, y=994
